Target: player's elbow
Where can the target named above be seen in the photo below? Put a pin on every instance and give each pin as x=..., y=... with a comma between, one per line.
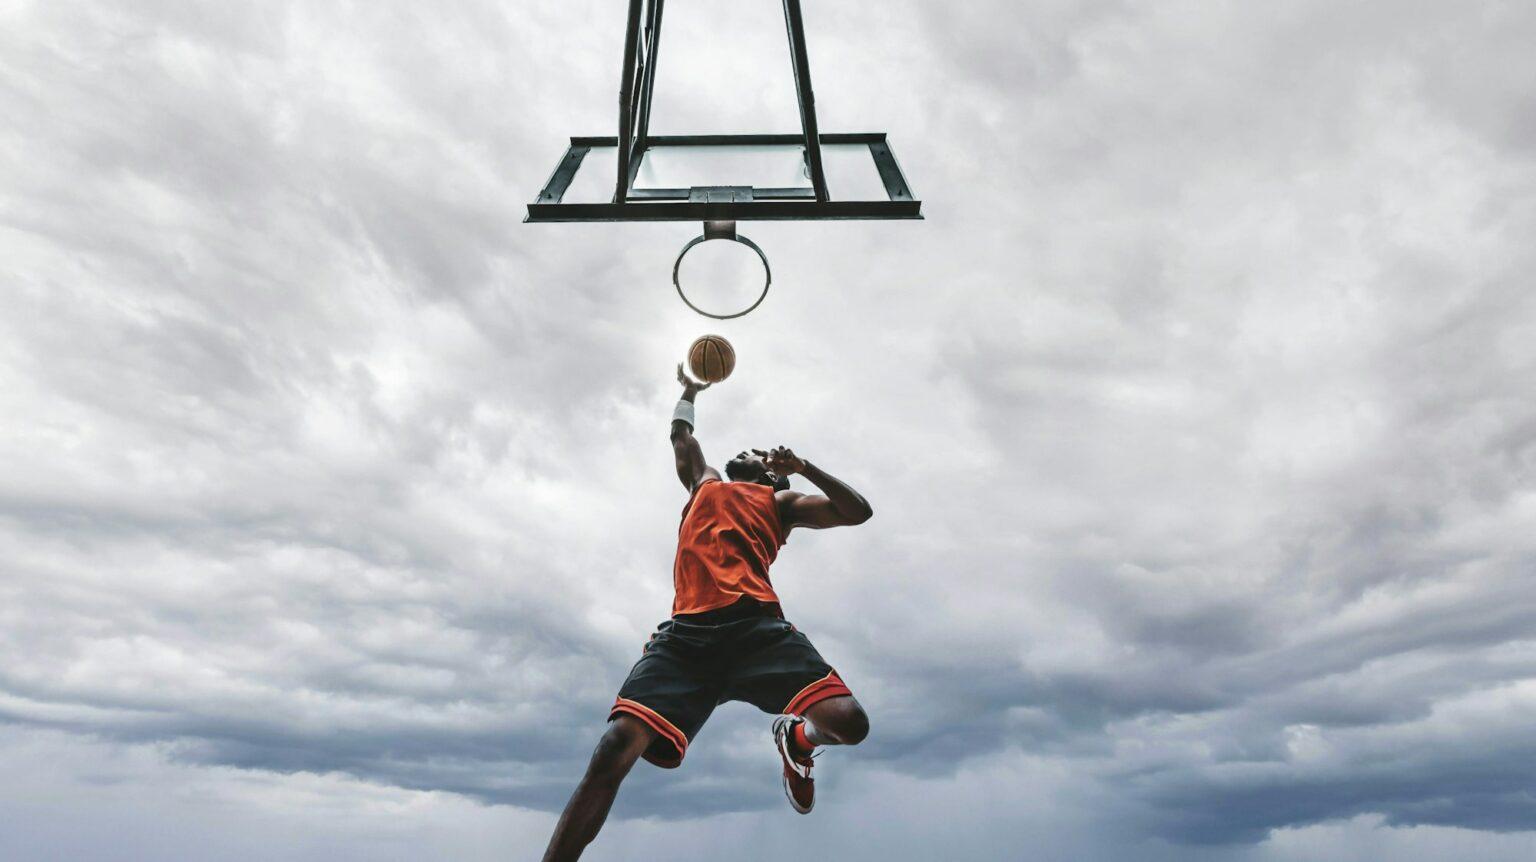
x=860, y=516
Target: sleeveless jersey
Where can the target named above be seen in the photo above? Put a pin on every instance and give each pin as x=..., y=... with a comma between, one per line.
x=729, y=536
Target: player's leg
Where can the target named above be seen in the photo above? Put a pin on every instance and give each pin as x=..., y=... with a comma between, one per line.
x=621, y=745
x=663, y=703
x=836, y=720
x=777, y=669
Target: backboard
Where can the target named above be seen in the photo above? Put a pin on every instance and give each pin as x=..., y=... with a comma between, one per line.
x=637, y=176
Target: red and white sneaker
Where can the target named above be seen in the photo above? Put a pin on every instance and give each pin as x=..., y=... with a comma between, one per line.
x=798, y=784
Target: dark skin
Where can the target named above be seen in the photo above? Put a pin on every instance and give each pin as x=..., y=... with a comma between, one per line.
x=834, y=721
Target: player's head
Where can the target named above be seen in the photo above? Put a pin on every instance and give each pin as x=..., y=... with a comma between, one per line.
x=749, y=467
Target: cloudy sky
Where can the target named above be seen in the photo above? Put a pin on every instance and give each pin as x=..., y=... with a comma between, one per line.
x=335, y=502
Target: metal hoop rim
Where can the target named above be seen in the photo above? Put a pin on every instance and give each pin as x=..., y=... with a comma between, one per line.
x=767, y=275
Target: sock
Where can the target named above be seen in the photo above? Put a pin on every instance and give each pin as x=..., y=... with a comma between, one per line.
x=797, y=736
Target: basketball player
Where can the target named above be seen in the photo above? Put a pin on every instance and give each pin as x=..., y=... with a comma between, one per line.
x=727, y=638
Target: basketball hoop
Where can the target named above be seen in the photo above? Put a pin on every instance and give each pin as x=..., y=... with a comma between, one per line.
x=725, y=230
x=719, y=179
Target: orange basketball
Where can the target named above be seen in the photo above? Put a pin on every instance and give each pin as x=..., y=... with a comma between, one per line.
x=711, y=358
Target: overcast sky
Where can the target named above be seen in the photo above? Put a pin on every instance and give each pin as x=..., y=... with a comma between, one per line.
x=1197, y=417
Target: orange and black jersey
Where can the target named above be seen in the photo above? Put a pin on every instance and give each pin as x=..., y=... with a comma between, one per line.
x=730, y=534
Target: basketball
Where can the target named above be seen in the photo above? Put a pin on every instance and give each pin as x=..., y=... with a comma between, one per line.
x=711, y=358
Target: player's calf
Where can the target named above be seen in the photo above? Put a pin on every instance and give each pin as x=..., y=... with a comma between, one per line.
x=618, y=749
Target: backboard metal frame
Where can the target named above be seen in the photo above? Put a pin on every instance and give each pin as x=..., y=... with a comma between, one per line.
x=716, y=203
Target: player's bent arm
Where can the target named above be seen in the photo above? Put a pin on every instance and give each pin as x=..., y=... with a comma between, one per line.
x=839, y=506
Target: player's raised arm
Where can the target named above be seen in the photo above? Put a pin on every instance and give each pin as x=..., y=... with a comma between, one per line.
x=837, y=506
x=691, y=469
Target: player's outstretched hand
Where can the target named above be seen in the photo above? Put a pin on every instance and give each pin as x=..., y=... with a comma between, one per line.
x=782, y=460
x=689, y=384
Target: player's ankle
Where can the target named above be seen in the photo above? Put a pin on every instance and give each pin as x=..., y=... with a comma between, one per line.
x=798, y=740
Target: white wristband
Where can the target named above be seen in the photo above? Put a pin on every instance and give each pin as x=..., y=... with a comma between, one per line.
x=683, y=411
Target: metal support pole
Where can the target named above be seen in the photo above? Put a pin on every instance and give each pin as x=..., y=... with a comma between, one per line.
x=648, y=80
x=627, y=102
x=802, y=63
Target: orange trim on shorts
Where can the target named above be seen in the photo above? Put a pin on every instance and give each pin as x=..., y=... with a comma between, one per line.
x=666, y=729
x=828, y=686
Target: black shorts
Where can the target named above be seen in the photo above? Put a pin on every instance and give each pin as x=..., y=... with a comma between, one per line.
x=692, y=663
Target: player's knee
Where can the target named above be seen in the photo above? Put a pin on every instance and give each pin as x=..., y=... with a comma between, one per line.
x=842, y=719
x=615, y=753
x=857, y=726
